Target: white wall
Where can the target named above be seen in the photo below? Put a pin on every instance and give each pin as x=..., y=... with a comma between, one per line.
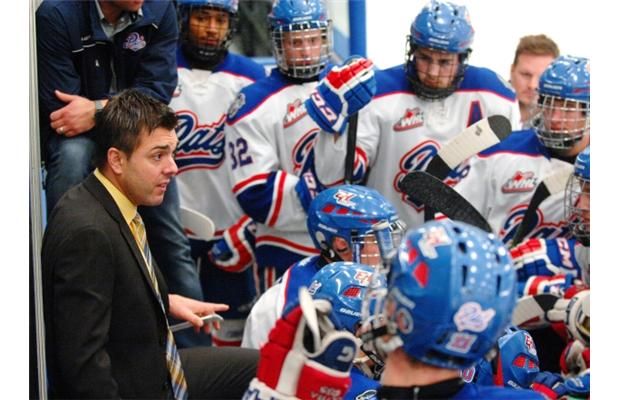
x=498, y=25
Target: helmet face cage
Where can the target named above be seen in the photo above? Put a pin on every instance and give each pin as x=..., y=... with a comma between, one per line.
x=427, y=92
x=369, y=249
x=560, y=122
x=577, y=208
x=577, y=199
x=563, y=113
x=207, y=53
x=302, y=50
x=578, y=317
x=451, y=294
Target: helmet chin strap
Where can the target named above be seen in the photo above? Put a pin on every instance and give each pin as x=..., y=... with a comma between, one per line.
x=330, y=255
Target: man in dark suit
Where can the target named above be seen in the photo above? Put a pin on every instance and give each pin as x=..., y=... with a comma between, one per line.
x=105, y=300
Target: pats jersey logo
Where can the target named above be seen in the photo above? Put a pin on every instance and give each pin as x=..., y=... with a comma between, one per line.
x=472, y=317
x=200, y=146
x=134, y=42
x=415, y=160
x=542, y=228
x=294, y=112
x=432, y=239
x=303, y=152
x=413, y=118
x=520, y=182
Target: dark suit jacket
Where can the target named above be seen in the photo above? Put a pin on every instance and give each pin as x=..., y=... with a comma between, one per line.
x=105, y=330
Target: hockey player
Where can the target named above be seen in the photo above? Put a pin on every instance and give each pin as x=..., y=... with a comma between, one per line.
x=342, y=222
x=561, y=267
x=424, y=103
x=451, y=292
x=271, y=145
x=344, y=285
x=535, y=258
x=502, y=179
x=209, y=79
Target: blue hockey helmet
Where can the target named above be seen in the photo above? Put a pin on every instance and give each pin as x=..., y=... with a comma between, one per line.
x=206, y=52
x=563, y=115
x=344, y=284
x=357, y=214
x=577, y=198
x=451, y=293
x=445, y=27
x=301, y=37
x=516, y=364
x=582, y=165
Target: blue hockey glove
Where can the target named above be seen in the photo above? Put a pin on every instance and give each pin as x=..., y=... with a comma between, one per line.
x=579, y=386
x=546, y=257
x=549, y=385
x=344, y=91
x=234, y=252
x=308, y=188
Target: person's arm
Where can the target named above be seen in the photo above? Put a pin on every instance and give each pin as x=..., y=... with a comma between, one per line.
x=81, y=313
x=56, y=72
x=264, y=190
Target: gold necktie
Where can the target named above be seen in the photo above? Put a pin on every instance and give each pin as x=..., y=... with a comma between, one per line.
x=173, y=360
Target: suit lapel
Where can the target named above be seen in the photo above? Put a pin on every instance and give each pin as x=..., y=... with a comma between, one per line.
x=93, y=185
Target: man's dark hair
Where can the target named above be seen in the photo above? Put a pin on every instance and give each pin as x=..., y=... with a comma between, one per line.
x=121, y=121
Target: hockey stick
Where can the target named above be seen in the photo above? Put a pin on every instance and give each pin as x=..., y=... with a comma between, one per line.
x=206, y=319
x=550, y=185
x=196, y=224
x=533, y=309
x=349, y=160
x=474, y=139
x=424, y=187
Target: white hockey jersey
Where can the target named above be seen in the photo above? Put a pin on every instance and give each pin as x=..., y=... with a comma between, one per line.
x=399, y=132
x=500, y=181
x=270, y=304
x=270, y=143
x=201, y=102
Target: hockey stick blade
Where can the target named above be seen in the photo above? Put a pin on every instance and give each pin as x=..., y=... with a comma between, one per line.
x=196, y=224
x=550, y=185
x=533, y=309
x=424, y=187
x=349, y=160
x=474, y=139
